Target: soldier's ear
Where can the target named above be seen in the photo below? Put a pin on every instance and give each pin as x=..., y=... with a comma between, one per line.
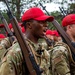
x=68, y=27
x=29, y=25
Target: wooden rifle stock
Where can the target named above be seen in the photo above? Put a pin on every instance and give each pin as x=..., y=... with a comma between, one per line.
x=28, y=56
x=64, y=35
x=10, y=34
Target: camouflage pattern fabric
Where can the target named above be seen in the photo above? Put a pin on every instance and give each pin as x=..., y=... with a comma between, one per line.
x=6, y=43
x=11, y=63
x=60, y=64
x=43, y=42
x=2, y=51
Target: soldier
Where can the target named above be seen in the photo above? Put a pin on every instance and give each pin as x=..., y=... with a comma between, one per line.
x=68, y=24
x=35, y=23
x=49, y=34
x=47, y=41
x=6, y=41
x=55, y=35
x=62, y=58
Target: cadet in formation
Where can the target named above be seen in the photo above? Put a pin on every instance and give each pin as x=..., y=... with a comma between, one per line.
x=62, y=58
x=5, y=41
x=35, y=23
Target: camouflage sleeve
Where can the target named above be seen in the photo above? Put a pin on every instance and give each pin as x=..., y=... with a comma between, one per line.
x=60, y=61
x=6, y=43
x=7, y=68
x=2, y=51
x=12, y=62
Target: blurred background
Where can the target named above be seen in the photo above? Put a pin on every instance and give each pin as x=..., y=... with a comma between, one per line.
x=56, y=8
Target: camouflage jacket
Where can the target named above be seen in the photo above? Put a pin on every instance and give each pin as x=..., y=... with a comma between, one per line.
x=12, y=62
x=45, y=44
x=61, y=58
x=5, y=42
x=2, y=51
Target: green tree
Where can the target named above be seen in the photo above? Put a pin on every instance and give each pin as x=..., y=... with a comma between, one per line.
x=19, y=6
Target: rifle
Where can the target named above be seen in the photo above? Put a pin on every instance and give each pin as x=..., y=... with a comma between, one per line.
x=44, y=8
x=62, y=11
x=28, y=56
x=10, y=34
x=63, y=34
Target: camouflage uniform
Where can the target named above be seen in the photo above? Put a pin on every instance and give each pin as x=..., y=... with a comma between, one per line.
x=12, y=61
x=6, y=43
x=2, y=51
x=45, y=44
x=61, y=60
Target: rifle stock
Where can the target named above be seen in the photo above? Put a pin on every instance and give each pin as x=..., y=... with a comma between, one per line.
x=28, y=56
x=10, y=34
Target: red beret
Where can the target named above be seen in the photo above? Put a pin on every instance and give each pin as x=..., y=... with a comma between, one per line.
x=2, y=36
x=68, y=20
x=49, y=32
x=54, y=32
x=36, y=14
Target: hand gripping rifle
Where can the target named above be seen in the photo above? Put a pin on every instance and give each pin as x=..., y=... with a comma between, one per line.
x=63, y=33
x=28, y=56
x=10, y=34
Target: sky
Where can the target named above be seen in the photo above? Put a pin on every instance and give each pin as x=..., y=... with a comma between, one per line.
x=50, y=7
x=2, y=7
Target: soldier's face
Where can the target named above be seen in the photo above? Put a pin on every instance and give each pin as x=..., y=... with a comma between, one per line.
x=73, y=30
x=39, y=28
x=50, y=37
